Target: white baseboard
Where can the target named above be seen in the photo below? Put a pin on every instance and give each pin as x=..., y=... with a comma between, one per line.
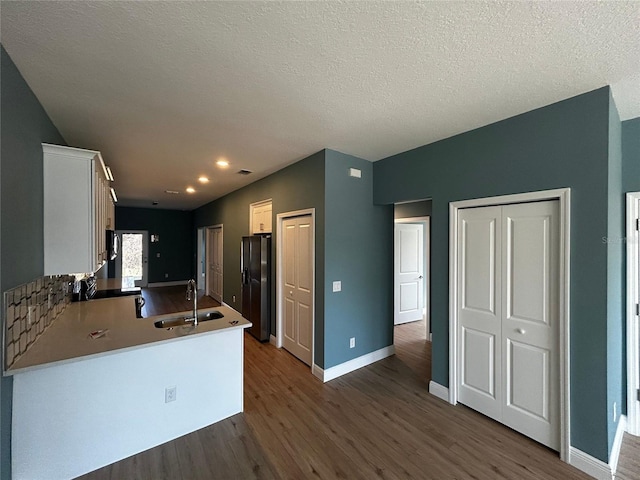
x=439, y=391
x=347, y=367
x=589, y=465
x=597, y=468
x=273, y=340
x=167, y=284
x=617, y=444
x=318, y=372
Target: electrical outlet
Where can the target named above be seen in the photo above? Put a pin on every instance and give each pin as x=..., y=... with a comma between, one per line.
x=233, y=298
x=170, y=394
x=158, y=255
x=337, y=286
x=352, y=342
x=166, y=275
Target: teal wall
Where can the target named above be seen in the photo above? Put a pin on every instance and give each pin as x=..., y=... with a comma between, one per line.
x=359, y=253
x=353, y=244
x=296, y=187
x=561, y=145
x=631, y=155
x=25, y=125
x=176, y=242
x=616, y=271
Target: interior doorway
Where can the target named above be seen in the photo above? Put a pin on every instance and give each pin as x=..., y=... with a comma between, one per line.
x=201, y=266
x=133, y=260
x=633, y=300
x=412, y=259
x=411, y=285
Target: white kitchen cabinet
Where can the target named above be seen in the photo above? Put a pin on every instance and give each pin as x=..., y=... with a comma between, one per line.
x=260, y=215
x=78, y=209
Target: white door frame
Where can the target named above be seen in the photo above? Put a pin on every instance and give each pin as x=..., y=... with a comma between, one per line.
x=633, y=329
x=280, y=218
x=426, y=221
x=564, y=197
x=206, y=259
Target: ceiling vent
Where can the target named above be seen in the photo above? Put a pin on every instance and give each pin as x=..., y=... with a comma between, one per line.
x=245, y=172
x=171, y=192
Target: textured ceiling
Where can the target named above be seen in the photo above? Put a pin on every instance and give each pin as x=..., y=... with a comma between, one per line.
x=163, y=89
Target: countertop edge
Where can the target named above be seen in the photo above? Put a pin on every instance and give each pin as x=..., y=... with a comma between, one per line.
x=11, y=372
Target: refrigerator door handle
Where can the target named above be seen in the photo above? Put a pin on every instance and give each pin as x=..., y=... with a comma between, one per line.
x=245, y=276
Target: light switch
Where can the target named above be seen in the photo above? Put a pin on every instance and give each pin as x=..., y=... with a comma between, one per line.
x=355, y=173
x=337, y=286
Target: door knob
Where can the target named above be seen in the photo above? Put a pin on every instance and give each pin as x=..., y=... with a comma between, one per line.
x=521, y=330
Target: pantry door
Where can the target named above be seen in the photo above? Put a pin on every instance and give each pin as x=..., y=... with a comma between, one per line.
x=297, y=286
x=508, y=310
x=214, y=262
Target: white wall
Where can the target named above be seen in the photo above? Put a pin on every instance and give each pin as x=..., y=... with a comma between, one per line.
x=74, y=418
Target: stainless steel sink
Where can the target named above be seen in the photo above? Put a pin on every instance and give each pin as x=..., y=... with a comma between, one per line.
x=187, y=320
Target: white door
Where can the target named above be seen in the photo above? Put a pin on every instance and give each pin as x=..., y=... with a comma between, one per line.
x=408, y=297
x=202, y=259
x=297, y=286
x=214, y=263
x=133, y=260
x=508, y=308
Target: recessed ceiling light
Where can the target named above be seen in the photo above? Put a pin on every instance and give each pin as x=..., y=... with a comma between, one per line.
x=203, y=179
x=222, y=163
x=191, y=190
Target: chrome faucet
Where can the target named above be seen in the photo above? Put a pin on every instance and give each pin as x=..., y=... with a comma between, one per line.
x=192, y=289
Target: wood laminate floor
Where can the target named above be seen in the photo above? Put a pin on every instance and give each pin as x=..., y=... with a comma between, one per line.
x=161, y=300
x=377, y=422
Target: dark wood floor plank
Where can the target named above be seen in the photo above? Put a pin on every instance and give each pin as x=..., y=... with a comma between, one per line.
x=629, y=463
x=378, y=422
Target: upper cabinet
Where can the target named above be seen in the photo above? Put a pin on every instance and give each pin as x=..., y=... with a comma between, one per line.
x=78, y=209
x=260, y=217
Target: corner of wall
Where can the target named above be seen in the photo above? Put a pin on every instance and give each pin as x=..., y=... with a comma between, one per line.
x=616, y=281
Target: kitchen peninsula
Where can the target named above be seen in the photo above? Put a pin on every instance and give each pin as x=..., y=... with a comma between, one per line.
x=81, y=403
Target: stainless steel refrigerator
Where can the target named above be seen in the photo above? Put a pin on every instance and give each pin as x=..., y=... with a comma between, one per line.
x=256, y=284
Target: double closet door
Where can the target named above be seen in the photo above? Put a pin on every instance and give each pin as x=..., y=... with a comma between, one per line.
x=508, y=316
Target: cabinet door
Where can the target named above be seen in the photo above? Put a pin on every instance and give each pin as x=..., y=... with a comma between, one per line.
x=266, y=218
x=258, y=224
x=68, y=210
x=261, y=218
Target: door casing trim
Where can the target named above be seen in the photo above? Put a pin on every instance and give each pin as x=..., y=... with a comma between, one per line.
x=563, y=195
x=280, y=218
x=633, y=329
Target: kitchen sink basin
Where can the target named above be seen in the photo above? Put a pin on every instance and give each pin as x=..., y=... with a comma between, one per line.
x=187, y=320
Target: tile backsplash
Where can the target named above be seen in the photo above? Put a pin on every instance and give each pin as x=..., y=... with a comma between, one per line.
x=29, y=310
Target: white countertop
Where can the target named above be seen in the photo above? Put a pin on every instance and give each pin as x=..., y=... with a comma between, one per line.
x=68, y=340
